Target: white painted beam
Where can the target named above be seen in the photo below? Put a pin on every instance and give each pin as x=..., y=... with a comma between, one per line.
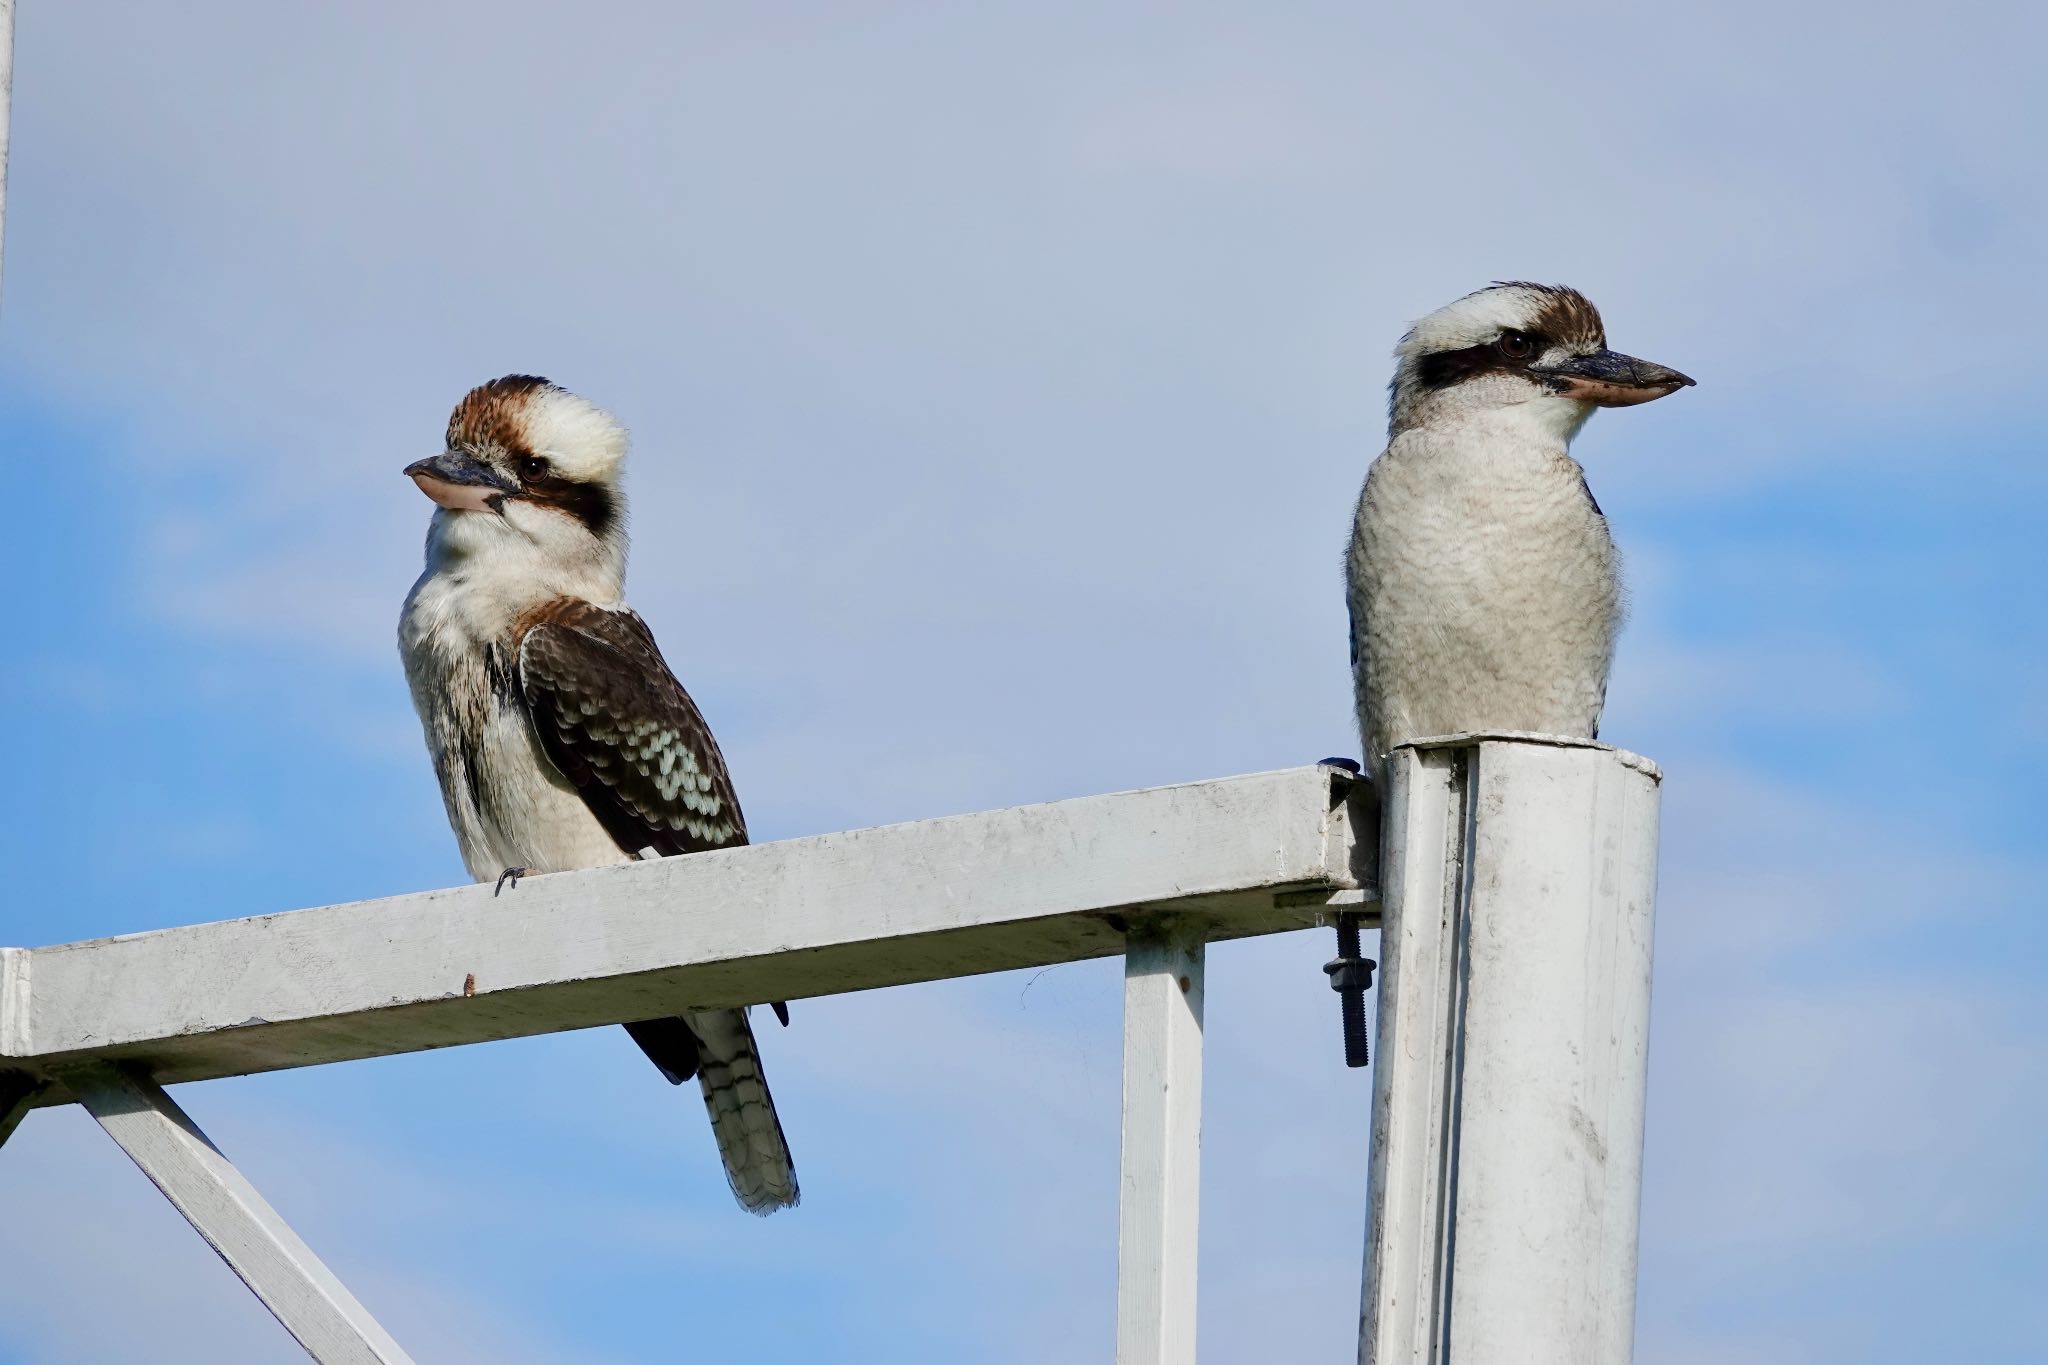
x=1002, y=889
x=1162, y=1146
x=18, y=1088
x=1520, y=879
x=314, y=1306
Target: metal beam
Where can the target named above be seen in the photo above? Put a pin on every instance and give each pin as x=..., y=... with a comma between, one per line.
x=1162, y=1156
x=1507, y=1142
x=19, y=1089
x=1022, y=887
x=314, y=1306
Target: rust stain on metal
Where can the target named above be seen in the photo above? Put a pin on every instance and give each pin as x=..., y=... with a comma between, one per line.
x=1186, y=985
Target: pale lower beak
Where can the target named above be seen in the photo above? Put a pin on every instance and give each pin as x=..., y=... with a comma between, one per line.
x=460, y=482
x=1613, y=380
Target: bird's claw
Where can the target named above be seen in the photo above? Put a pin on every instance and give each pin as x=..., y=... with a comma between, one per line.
x=510, y=874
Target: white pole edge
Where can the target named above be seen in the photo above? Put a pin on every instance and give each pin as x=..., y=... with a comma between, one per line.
x=1520, y=882
x=1160, y=1191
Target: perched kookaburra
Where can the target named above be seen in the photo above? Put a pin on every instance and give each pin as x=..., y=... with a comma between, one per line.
x=559, y=735
x=1484, y=588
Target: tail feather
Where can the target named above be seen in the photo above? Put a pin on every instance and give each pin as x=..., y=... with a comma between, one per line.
x=750, y=1141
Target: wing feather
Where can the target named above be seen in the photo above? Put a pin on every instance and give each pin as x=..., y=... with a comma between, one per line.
x=612, y=717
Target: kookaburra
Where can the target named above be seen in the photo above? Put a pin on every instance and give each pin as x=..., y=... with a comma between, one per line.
x=1484, y=588
x=559, y=735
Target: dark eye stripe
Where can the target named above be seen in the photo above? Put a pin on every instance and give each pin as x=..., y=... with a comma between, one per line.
x=588, y=503
x=1442, y=369
x=1445, y=368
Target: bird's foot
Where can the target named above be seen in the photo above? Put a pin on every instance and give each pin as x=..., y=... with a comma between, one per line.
x=510, y=874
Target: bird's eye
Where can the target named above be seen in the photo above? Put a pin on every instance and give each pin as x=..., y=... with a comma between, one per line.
x=1516, y=345
x=532, y=467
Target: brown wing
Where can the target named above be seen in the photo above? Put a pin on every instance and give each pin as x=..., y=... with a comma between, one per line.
x=617, y=723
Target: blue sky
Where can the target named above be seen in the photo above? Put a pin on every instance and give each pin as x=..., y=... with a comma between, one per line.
x=1001, y=377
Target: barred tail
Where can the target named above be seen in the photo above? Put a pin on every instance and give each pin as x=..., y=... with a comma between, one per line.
x=750, y=1140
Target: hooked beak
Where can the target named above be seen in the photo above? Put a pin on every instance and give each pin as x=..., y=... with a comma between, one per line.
x=1612, y=380
x=459, y=482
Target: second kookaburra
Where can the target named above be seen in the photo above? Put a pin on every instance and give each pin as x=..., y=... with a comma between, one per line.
x=559, y=735
x=1485, y=591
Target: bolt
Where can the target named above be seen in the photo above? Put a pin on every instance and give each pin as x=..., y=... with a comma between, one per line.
x=1351, y=976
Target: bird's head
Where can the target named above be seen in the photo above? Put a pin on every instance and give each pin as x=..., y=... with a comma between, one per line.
x=1538, y=350
x=530, y=465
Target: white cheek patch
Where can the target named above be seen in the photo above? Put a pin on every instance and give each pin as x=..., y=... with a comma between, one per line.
x=1558, y=416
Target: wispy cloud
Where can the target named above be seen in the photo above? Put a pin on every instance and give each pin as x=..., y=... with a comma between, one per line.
x=1001, y=379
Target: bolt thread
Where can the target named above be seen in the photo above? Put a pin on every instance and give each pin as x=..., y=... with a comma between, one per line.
x=1352, y=1000
x=1355, y=1053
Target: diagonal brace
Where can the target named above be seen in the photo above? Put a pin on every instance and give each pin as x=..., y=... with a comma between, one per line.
x=235, y=1220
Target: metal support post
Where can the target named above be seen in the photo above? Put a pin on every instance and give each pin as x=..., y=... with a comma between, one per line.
x=1519, y=877
x=1162, y=1153
x=235, y=1220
